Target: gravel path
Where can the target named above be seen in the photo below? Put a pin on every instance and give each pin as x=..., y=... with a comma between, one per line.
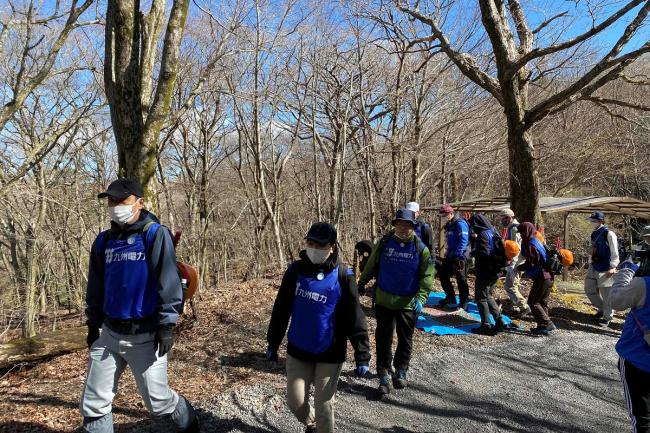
x=514, y=383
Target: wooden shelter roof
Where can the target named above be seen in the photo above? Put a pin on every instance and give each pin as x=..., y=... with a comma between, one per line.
x=612, y=205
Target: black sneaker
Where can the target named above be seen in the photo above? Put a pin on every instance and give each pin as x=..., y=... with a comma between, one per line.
x=384, y=385
x=483, y=330
x=399, y=379
x=310, y=429
x=499, y=326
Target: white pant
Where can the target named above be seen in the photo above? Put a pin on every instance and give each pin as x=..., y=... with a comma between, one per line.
x=511, y=285
x=109, y=356
x=597, y=288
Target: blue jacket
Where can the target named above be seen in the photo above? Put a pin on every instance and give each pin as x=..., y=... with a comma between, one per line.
x=161, y=258
x=632, y=346
x=457, y=238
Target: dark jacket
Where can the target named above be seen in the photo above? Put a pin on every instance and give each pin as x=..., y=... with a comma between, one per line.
x=483, y=247
x=424, y=232
x=161, y=258
x=349, y=320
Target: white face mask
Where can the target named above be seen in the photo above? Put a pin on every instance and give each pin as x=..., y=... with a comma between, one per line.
x=595, y=225
x=317, y=256
x=121, y=214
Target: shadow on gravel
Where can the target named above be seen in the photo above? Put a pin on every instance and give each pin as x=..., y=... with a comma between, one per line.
x=505, y=417
x=254, y=360
x=237, y=425
x=577, y=321
x=396, y=430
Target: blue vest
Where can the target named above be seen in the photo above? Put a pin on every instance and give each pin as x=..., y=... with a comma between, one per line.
x=537, y=270
x=129, y=290
x=601, y=248
x=312, y=317
x=399, y=267
x=632, y=346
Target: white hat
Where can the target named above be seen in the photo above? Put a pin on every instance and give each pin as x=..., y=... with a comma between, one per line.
x=507, y=212
x=413, y=206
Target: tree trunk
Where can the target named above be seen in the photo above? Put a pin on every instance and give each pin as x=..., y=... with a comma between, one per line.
x=524, y=181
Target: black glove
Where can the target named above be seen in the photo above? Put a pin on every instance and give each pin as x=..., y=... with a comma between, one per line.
x=361, y=290
x=164, y=339
x=93, y=335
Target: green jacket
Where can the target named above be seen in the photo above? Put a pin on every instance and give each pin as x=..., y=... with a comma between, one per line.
x=395, y=302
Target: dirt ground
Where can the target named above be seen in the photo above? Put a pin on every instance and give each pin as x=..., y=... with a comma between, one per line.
x=219, y=351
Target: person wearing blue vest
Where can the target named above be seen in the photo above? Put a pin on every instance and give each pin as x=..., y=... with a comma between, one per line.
x=487, y=273
x=604, y=260
x=319, y=295
x=134, y=296
x=633, y=347
x=535, y=268
x=454, y=264
x=403, y=269
x=422, y=229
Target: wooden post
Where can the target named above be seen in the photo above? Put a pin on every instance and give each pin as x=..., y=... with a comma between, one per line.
x=565, y=271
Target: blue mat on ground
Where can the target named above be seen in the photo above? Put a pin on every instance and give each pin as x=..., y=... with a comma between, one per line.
x=440, y=321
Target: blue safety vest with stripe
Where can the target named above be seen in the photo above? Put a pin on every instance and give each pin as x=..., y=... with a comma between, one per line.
x=314, y=306
x=537, y=270
x=399, y=267
x=130, y=292
x=601, y=249
x=632, y=346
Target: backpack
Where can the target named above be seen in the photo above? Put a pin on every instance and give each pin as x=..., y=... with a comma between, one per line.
x=498, y=251
x=188, y=274
x=553, y=263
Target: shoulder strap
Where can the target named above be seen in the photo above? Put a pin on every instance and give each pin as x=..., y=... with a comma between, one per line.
x=149, y=231
x=344, y=272
x=100, y=243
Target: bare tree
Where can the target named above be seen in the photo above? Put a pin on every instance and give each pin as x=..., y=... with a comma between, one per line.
x=521, y=59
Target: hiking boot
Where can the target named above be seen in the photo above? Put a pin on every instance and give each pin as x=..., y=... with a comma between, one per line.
x=483, y=330
x=310, y=429
x=603, y=323
x=399, y=380
x=544, y=330
x=445, y=302
x=464, y=306
x=195, y=427
x=499, y=326
x=598, y=315
x=384, y=385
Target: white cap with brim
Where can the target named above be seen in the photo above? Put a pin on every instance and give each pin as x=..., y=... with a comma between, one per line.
x=413, y=206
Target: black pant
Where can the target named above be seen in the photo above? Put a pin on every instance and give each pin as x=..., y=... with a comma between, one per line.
x=387, y=320
x=538, y=300
x=636, y=387
x=484, y=301
x=460, y=272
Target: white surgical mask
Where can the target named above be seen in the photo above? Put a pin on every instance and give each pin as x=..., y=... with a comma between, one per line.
x=595, y=225
x=317, y=256
x=121, y=214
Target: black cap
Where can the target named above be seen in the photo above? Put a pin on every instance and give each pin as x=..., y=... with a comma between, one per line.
x=405, y=215
x=323, y=233
x=122, y=188
x=597, y=216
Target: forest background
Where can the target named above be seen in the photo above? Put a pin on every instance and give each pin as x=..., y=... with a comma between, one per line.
x=248, y=120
